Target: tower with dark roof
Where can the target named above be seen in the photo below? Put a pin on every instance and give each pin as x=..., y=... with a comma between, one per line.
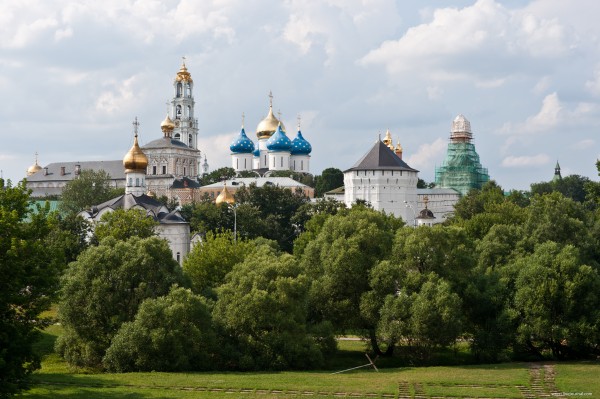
x=383, y=180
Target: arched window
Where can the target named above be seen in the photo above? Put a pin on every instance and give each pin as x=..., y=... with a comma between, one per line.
x=137, y=181
x=190, y=140
x=189, y=111
x=178, y=90
x=178, y=112
x=177, y=136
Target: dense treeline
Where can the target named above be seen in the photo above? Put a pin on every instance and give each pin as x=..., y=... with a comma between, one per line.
x=512, y=276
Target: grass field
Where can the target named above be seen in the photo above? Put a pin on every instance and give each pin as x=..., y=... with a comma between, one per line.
x=509, y=380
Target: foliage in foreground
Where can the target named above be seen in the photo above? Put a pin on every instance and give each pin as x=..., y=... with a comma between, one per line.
x=169, y=333
x=29, y=269
x=104, y=288
x=262, y=312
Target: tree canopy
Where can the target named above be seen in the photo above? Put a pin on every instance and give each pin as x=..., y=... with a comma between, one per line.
x=89, y=188
x=29, y=268
x=104, y=288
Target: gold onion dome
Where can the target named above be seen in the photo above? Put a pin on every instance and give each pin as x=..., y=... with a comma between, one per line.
x=183, y=75
x=135, y=160
x=225, y=197
x=33, y=169
x=388, y=140
x=268, y=126
x=398, y=147
x=167, y=125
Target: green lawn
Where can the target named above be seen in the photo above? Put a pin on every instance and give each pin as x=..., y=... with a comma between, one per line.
x=57, y=380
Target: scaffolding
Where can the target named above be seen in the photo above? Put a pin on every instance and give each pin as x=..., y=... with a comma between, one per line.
x=461, y=170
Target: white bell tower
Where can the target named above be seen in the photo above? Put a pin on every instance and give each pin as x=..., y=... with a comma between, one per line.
x=182, y=109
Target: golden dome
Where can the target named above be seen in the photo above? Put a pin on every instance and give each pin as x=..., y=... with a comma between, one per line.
x=167, y=126
x=183, y=75
x=225, y=197
x=268, y=126
x=398, y=147
x=388, y=140
x=33, y=169
x=135, y=160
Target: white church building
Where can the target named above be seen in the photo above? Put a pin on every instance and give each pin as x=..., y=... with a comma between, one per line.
x=171, y=225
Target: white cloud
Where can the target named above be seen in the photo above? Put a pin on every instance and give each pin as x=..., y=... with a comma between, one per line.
x=583, y=144
x=547, y=118
x=542, y=85
x=122, y=96
x=7, y=157
x=434, y=92
x=427, y=154
x=455, y=39
x=525, y=161
x=593, y=85
x=216, y=149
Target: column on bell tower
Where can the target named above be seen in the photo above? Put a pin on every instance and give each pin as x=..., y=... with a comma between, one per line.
x=182, y=108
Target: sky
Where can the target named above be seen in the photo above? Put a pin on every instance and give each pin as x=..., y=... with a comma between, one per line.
x=526, y=74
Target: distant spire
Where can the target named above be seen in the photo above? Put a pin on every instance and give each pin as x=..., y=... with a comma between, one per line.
x=299, y=120
x=243, y=117
x=557, y=175
x=270, y=98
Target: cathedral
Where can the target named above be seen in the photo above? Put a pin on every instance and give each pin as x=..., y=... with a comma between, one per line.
x=273, y=150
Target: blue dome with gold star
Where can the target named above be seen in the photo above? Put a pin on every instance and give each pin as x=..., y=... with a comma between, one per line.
x=300, y=146
x=242, y=144
x=279, y=141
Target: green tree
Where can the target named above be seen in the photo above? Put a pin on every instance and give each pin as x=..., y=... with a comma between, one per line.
x=123, y=224
x=328, y=180
x=275, y=208
x=169, y=333
x=339, y=260
x=262, y=308
x=476, y=200
x=29, y=270
x=304, y=178
x=217, y=175
x=572, y=186
x=209, y=261
x=104, y=288
x=88, y=189
x=207, y=216
x=557, y=298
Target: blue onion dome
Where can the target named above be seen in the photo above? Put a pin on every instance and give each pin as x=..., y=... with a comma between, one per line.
x=300, y=146
x=279, y=141
x=242, y=144
x=256, y=152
